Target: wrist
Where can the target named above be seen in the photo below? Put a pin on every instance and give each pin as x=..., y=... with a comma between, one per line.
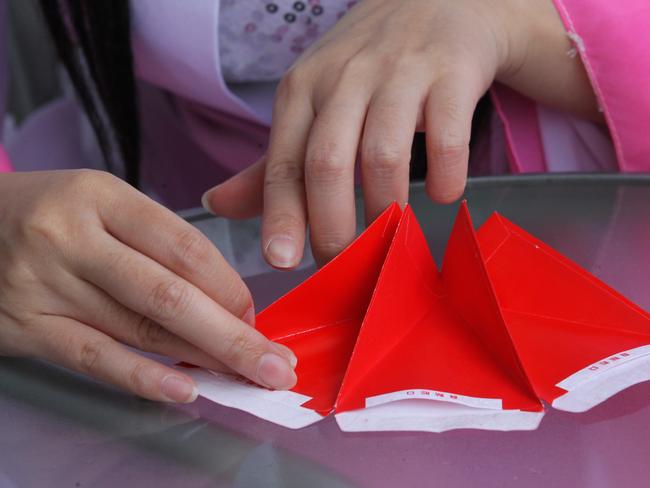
x=541, y=61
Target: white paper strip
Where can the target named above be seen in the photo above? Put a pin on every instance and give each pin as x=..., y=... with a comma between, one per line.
x=441, y=396
x=280, y=407
x=597, y=369
x=605, y=383
x=432, y=416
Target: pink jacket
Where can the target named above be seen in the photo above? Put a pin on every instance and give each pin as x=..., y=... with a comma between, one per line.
x=613, y=41
x=209, y=130
x=5, y=165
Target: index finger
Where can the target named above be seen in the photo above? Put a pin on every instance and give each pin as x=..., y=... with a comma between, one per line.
x=153, y=230
x=146, y=287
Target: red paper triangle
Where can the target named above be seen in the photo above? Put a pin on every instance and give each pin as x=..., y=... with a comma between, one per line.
x=415, y=343
x=552, y=350
x=470, y=292
x=320, y=319
x=508, y=321
x=561, y=318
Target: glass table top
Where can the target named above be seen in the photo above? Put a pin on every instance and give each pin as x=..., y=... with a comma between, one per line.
x=60, y=429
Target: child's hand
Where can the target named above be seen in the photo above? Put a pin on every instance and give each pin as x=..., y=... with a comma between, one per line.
x=88, y=264
x=387, y=69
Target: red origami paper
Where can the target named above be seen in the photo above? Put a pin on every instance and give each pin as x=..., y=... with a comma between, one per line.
x=386, y=341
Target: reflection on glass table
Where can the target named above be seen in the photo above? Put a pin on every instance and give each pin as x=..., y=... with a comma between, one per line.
x=59, y=429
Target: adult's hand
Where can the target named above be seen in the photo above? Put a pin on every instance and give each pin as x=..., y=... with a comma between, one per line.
x=89, y=265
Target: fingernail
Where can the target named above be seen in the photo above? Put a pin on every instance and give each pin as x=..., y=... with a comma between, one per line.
x=281, y=252
x=249, y=317
x=287, y=353
x=205, y=202
x=178, y=389
x=275, y=372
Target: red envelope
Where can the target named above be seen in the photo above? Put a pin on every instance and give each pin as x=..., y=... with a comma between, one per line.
x=385, y=341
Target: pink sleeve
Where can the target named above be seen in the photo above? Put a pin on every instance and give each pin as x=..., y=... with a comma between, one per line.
x=518, y=114
x=4, y=61
x=612, y=38
x=5, y=164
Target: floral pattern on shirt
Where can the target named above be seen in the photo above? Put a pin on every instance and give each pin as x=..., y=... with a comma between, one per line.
x=260, y=39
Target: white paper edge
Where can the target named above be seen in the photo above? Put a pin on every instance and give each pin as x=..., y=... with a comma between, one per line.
x=597, y=369
x=606, y=384
x=280, y=407
x=434, y=395
x=434, y=416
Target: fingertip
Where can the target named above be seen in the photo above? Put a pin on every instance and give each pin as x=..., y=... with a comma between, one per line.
x=228, y=199
x=371, y=214
x=326, y=246
x=205, y=202
x=282, y=252
x=239, y=197
x=324, y=256
x=178, y=388
x=445, y=193
x=287, y=353
x=447, y=170
x=249, y=316
x=275, y=372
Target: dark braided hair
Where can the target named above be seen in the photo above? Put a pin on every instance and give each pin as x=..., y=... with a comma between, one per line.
x=93, y=40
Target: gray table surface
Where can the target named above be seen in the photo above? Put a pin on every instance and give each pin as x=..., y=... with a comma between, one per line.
x=58, y=429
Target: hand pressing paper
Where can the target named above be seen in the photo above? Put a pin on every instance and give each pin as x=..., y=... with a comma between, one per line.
x=387, y=342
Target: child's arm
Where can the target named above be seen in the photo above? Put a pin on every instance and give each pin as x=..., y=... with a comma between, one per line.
x=384, y=71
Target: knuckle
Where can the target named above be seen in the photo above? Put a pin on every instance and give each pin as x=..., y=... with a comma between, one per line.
x=169, y=299
x=137, y=377
x=21, y=333
x=150, y=336
x=384, y=161
x=282, y=173
x=237, y=297
x=453, y=110
x=239, y=347
x=17, y=276
x=293, y=82
x=325, y=166
x=91, y=181
x=89, y=356
x=406, y=62
x=81, y=177
x=192, y=252
x=44, y=226
x=446, y=63
x=449, y=156
x=118, y=260
x=55, y=219
x=356, y=67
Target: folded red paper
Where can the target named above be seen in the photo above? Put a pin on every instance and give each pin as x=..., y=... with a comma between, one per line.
x=386, y=341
